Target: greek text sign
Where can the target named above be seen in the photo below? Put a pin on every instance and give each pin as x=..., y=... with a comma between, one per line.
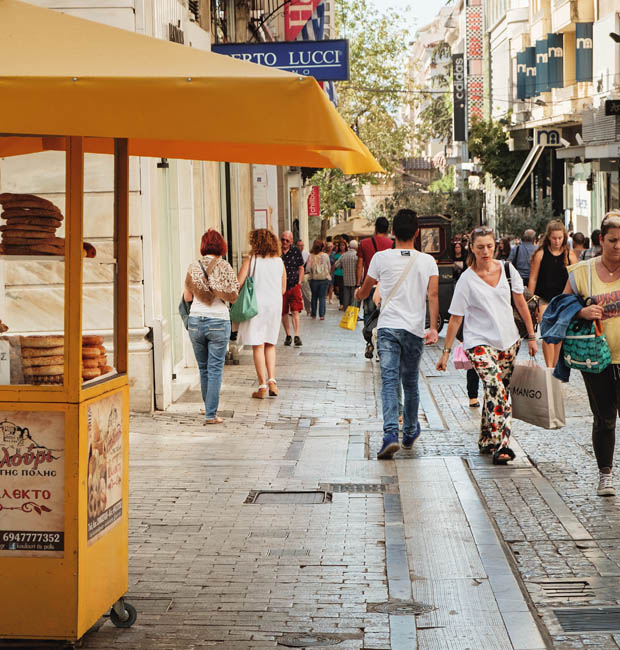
x=323, y=60
x=32, y=473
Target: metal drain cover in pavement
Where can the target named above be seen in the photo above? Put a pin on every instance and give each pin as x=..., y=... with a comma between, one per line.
x=589, y=619
x=310, y=640
x=267, y=497
x=399, y=607
x=566, y=590
x=361, y=488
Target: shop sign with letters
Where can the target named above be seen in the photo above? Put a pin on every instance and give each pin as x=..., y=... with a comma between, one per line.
x=32, y=483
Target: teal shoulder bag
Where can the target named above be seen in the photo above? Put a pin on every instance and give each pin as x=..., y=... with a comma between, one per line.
x=245, y=307
x=585, y=346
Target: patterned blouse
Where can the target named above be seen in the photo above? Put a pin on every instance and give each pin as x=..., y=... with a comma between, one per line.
x=222, y=280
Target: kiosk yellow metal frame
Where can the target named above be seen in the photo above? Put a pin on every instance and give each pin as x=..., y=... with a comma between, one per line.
x=62, y=597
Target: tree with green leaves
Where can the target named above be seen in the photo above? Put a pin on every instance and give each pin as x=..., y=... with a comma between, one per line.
x=370, y=101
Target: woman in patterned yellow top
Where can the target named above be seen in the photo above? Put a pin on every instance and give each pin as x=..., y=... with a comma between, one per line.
x=604, y=388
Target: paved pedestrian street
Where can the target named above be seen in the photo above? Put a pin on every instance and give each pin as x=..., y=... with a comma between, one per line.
x=280, y=528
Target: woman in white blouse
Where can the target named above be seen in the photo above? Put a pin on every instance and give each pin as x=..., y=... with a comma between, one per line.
x=490, y=336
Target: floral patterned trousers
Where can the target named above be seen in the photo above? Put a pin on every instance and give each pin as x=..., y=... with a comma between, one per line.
x=494, y=367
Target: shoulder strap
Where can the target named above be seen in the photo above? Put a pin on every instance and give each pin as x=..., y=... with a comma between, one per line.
x=508, y=276
x=590, y=277
x=203, y=270
x=374, y=243
x=403, y=275
x=393, y=243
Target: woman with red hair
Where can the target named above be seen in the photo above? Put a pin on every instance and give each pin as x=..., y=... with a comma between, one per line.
x=210, y=284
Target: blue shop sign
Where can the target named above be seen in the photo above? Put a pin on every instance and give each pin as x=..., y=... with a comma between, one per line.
x=323, y=60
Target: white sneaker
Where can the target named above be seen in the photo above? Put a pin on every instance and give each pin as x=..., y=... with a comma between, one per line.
x=606, y=485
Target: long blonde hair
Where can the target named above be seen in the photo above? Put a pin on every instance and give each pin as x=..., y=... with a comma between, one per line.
x=553, y=226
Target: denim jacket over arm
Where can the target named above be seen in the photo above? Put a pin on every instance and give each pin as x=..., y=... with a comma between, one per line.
x=557, y=317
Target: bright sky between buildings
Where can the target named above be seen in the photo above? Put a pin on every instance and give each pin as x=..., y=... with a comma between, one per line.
x=414, y=13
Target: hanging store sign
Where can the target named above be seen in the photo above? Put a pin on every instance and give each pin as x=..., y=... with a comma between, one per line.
x=583, y=55
x=530, y=72
x=521, y=75
x=299, y=16
x=458, y=88
x=323, y=60
x=555, y=60
x=542, y=78
x=314, y=202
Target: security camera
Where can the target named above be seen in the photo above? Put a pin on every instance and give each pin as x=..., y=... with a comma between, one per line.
x=564, y=142
x=579, y=139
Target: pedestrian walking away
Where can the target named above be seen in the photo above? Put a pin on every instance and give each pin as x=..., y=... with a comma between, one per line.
x=261, y=332
x=595, y=246
x=348, y=264
x=337, y=273
x=599, y=279
x=365, y=252
x=548, y=275
x=482, y=297
x=210, y=283
x=521, y=255
x=407, y=279
x=318, y=271
x=292, y=301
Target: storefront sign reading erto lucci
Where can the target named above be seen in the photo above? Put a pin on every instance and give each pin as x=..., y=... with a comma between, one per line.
x=32, y=473
x=323, y=60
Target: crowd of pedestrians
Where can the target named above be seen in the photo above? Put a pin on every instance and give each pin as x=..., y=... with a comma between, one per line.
x=573, y=277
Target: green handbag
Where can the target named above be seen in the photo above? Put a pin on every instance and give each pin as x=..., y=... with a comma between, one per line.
x=585, y=346
x=245, y=307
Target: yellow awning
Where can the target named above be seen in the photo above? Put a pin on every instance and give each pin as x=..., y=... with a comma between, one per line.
x=61, y=75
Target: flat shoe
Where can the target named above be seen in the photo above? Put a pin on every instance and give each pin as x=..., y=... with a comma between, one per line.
x=261, y=393
x=214, y=421
x=474, y=405
x=502, y=455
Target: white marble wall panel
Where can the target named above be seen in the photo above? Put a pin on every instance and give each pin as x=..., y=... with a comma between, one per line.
x=40, y=308
x=44, y=173
x=20, y=273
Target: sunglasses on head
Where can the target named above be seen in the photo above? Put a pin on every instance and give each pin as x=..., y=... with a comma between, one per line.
x=612, y=218
x=482, y=230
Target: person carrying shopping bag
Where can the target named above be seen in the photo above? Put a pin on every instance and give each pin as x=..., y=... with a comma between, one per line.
x=490, y=336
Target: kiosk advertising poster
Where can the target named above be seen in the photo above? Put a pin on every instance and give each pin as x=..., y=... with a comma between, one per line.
x=105, y=465
x=32, y=473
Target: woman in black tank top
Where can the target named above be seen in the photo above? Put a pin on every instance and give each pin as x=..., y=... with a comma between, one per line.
x=548, y=275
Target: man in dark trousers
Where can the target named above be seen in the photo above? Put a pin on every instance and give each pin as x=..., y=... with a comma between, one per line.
x=292, y=300
x=365, y=252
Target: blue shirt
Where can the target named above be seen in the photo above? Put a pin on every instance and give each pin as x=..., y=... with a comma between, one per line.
x=521, y=257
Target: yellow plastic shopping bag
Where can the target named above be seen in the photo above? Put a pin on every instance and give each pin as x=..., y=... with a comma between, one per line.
x=349, y=318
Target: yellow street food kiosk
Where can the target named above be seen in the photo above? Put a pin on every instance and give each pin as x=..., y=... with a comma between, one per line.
x=75, y=86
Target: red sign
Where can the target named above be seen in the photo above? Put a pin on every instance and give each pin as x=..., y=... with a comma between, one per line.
x=296, y=14
x=314, y=204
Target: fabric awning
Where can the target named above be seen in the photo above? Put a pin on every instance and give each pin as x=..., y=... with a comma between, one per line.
x=61, y=75
x=524, y=173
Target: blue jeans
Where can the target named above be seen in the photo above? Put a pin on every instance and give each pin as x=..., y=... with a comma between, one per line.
x=399, y=356
x=319, y=291
x=209, y=337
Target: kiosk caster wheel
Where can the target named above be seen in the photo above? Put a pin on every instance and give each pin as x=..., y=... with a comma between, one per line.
x=123, y=614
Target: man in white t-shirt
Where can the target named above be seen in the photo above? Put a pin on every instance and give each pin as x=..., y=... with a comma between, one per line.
x=406, y=279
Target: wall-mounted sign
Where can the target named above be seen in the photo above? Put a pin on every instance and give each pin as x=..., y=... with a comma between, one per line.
x=548, y=137
x=612, y=107
x=530, y=71
x=542, y=80
x=521, y=75
x=323, y=60
x=314, y=202
x=459, y=98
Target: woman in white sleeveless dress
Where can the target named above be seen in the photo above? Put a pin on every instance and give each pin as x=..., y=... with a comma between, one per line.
x=261, y=332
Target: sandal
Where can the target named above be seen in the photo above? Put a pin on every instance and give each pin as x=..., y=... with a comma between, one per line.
x=474, y=403
x=502, y=455
x=215, y=420
x=273, y=387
